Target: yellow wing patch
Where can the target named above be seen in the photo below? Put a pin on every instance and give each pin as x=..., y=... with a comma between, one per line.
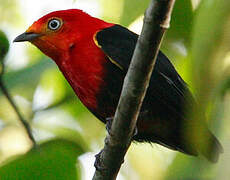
x=98, y=45
x=114, y=62
x=95, y=40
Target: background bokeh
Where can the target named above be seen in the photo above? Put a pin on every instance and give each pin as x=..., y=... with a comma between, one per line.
x=198, y=44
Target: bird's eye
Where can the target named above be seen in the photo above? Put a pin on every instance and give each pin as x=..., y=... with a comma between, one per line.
x=54, y=24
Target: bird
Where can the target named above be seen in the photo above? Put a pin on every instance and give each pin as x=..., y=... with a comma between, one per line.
x=94, y=57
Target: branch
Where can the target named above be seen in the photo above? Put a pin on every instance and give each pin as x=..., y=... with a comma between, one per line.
x=12, y=103
x=156, y=21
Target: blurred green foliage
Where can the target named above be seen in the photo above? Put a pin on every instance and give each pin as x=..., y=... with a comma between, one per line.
x=8, y=10
x=51, y=160
x=27, y=78
x=198, y=45
x=181, y=23
x=132, y=10
x=4, y=45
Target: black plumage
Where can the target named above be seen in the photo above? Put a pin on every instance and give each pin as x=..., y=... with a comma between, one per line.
x=163, y=115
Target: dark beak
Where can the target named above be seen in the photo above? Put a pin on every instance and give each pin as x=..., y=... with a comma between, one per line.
x=27, y=36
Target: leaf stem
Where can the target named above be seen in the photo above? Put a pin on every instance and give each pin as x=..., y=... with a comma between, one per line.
x=14, y=106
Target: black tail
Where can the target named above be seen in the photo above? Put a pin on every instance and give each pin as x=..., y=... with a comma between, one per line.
x=205, y=144
x=212, y=148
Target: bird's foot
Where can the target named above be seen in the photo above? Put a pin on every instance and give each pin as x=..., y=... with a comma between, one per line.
x=135, y=131
x=108, y=126
x=97, y=163
x=109, y=121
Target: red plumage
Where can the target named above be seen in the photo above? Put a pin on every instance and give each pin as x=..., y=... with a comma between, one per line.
x=94, y=57
x=74, y=52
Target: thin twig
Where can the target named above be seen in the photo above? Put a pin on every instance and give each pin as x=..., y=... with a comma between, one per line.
x=12, y=103
x=136, y=82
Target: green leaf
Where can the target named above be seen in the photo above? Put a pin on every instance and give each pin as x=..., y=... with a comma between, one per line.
x=181, y=22
x=55, y=159
x=132, y=9
x=178, y=37
x=4, y=45
x=27, y=78
x=64, y=133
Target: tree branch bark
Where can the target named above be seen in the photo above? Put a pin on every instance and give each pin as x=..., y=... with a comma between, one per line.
x=156, y=21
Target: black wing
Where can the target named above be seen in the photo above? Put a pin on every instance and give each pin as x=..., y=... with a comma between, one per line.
x=166, y=85
x=166, y=99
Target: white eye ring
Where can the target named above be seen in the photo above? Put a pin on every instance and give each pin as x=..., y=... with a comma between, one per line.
x=54, y=24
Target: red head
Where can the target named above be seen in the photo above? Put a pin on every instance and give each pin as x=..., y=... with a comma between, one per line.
x=68, y=38
x=56, y=32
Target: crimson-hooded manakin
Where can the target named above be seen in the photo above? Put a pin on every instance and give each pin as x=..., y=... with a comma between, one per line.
x=94, y=56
